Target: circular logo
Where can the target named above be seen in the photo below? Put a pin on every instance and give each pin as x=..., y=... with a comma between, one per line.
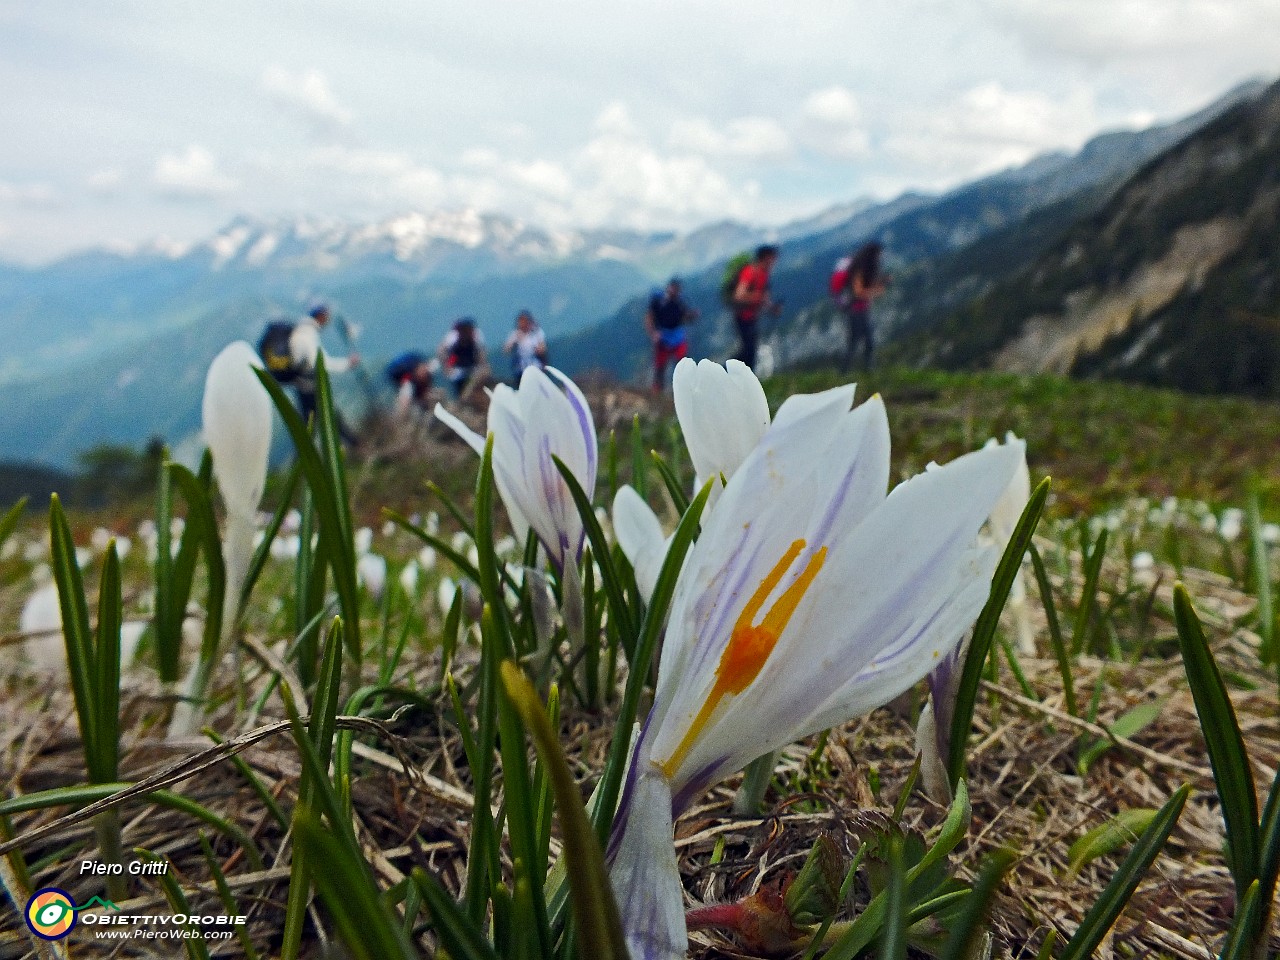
x=51, y=913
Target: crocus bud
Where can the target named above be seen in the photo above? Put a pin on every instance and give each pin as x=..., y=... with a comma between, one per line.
x=237, y=427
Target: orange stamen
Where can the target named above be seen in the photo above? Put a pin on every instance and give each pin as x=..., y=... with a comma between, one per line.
x=751, y=644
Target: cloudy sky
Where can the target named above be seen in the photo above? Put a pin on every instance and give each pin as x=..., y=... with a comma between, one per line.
x=140, y=120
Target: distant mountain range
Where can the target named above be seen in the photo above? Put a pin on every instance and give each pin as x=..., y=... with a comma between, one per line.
x=1173, y=280
x=111, y=347
x=942, y=251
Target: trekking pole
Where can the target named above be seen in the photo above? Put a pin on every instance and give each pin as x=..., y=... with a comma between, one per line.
x=348, y=338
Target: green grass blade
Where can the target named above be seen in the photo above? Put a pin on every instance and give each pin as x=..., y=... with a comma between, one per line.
x=521, y=806
x=1227, y=756
x=1107, y=907
x=654, y=619
x=1089, y=593
x=1060, y=652
x=1269, y=857
x=459, y=935
x=9, y=522
x=1260, y=567
x=227, y=898
x=202, y=526
x=968, y=930
x=178, y=903
x=984, y=630
x=263, y=551
x=639, y=475
x=893, y=937
x=672, y=483
x=598, y=924
x=75, y=631
x=330, y=503
x=106, y=667
x=618, y=607
x=1240, y=943
x=364, y=921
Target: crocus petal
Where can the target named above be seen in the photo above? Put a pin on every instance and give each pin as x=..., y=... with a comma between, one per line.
x=469, y=436
x=722, y=412
x=1008, y=509
x=646, y=876
x=933, y=771
x=640, y=536
x=547, y=417
x=883, y=603
x=237, y=427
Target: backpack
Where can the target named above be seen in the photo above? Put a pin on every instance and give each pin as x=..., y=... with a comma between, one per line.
x=729, y=280
x=403, y=365
x=273, y=347
x=838, y=286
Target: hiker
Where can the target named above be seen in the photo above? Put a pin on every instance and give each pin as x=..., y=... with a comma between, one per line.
x=412, y=373
x=527, y=345
x=462, y=354
x=863, y=283
x=751, y=298
x=664, y=321
x=290, y=352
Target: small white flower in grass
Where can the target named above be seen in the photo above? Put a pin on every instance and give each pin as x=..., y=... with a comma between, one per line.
x=1142, y=561
x=371, y=573
x=432, y=523
x=410, y=574
x=292, y=521
x=547, y=417
x=1209, y=523
x=363, y=541
x=285, y=548
x=84, y=557
x=809, y=599
x=123, y=546
x=427, y=557
x=640, y=536
x=1271, y=533
x=9, y=550
x=389, y=528
x=506, y=547
x=1232, y=524
x=35, y=550
x=99, y=539
x=177, y=526
x=445, y=592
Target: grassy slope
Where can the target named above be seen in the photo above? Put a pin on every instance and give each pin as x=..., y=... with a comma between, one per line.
x=1100, y=441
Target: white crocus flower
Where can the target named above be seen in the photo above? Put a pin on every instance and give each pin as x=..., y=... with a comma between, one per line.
x=371, y=573
x=363, y=541
x=236, y=412
x=810, y=598
x=548, y=416
x=446, y=590
x=237, y=428
x=723, y=414
x=427, y=557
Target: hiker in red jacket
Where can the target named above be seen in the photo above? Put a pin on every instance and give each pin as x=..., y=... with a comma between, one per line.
x=750, y=299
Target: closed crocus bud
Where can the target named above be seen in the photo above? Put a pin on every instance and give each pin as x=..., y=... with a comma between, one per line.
x=363, y=540
x=237, y=428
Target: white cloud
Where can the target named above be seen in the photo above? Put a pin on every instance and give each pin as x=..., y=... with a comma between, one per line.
x=833, y=125
x=308, y=92
x=193, y=174
x=106, y=181
x=1099, y=31
x=984, y=129
x=27, y=194
x=751, y=138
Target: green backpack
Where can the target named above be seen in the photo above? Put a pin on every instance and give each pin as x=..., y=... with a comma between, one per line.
x=729, y=280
